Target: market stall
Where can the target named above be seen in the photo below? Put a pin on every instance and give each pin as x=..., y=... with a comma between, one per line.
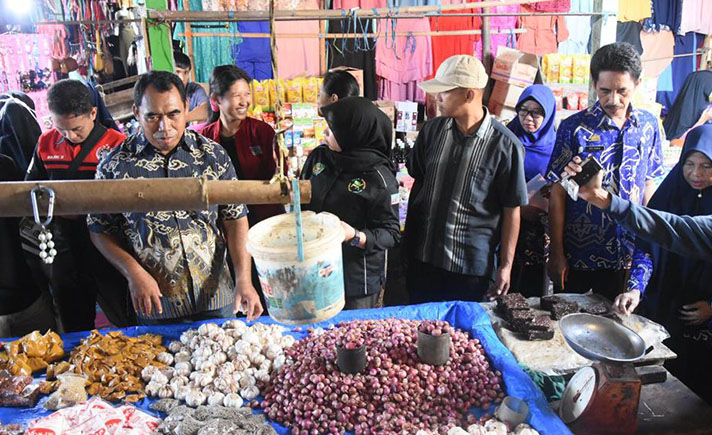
x=470, y=317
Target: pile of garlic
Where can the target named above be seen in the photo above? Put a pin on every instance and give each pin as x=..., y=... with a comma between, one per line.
x=216, y=365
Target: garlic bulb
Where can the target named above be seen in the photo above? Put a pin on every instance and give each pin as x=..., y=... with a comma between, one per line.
x=287, y=341
x=159, y=378
x=187, y=336
x=247, y=381
x=183, y=368
x=181, y=392
x=152, y=389
x=262, y=376
x=257, y=359
x=457, y=431
x=250, y=392
x=181, y=356
x=168, y=372
x=232, y=400
x=216, y=399
x=278, y=362
x=234, y=324
x=195, y=398
x=218, y=358
x=241, y=363
x=251, y=337
x=175, y=346
x=266, y=365
x=226, y=369
x=495, y=427
x=165, y=392
x=165, y=358
x=209, y=389
x=525, y=429
x=241, y=346
x=272, y=351
x=225, y=384
x=148, y=372
x=178, y=381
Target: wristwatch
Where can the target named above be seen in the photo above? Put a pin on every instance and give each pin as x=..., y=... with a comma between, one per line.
x=356, y=241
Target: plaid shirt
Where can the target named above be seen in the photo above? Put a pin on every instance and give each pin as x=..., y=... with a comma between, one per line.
x=183, y=250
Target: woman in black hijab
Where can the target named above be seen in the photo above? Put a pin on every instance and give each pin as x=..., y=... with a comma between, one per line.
x=19, y=130
x=352, y=177
x=691, y=102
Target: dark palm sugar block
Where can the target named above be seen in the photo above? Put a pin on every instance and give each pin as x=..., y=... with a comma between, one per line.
x=561, y=309
x=547, y=302
x=511, y=300
x=597, y=309
x=539, y=323
x=518, y=315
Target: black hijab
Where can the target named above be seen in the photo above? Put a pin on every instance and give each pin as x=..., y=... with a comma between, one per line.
x=689, y=104
x=363, y=132
x=19, y=130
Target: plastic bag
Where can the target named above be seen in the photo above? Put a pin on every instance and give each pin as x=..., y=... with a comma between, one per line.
x=72, y=390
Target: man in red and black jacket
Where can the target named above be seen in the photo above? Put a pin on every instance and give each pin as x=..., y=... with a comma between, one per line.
x=71, y=151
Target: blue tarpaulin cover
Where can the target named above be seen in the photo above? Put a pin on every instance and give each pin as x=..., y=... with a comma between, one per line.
x=468, y=316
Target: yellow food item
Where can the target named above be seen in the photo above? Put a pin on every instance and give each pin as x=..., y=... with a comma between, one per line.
x=581, y=68
x=566, y=70
x=294, y=91
x=260, y=94
x=113, y=363
x=551, y=67
x=311, y=90
x=275, y=89
x=32, y=352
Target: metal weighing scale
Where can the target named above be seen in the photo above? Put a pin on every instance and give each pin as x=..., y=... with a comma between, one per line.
x=603, y=398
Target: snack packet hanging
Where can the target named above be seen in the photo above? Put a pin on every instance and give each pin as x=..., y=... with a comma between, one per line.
x=566, y=69
x=260, y=94
x=294, y=90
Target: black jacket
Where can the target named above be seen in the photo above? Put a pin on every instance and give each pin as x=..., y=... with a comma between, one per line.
x=368, y=201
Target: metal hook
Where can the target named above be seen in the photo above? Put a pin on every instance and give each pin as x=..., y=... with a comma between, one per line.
x=35, y=207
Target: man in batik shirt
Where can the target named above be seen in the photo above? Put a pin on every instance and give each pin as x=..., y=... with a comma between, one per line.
x=175, y=261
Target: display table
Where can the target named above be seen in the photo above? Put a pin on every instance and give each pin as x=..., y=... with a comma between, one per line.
x=464, y=315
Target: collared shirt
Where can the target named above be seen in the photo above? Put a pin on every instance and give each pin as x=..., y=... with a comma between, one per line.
x=196, y=95
x=462, y=184
x=630, y=156
x=183, y=250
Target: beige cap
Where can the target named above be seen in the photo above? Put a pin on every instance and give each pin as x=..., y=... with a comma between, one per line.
x=459, y=71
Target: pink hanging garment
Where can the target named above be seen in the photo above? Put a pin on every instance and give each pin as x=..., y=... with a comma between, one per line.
x=402, y=66
x=298, y=57
x=500, y=23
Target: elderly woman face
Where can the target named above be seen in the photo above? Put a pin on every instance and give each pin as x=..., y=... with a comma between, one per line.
x=697, y=171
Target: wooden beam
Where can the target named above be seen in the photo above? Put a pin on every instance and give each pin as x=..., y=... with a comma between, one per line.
x=354, y=36
x=141, y=195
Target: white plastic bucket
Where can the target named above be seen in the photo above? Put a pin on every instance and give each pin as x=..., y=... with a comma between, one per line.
x=306, y=292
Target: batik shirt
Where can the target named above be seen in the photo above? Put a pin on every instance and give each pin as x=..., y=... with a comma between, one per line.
x=630, y=157
x=183, y=250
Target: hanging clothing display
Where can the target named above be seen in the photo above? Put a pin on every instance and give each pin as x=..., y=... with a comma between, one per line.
x=681, y=67
x=446, y=46
x=544, y=32
x=630, y=32
x=667, y=15
x=659, y=46
x=253, y=54
x=500, y=23
x=404, y=61
x=579, y=28
x=355, y=52
x=634, y=10
x=696, y=16
x=298, y=57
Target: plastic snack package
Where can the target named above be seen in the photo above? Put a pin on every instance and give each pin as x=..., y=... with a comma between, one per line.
x=311, y=90
x=72, y=390
x=260, y=94
x=566, y=69
x=294, y=90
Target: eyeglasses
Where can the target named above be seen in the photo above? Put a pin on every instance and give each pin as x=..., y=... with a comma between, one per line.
x=535, y=114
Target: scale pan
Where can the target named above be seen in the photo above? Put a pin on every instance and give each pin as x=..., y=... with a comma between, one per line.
x=601, y=339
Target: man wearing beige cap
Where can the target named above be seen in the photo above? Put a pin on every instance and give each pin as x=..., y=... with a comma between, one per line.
x=469, y=185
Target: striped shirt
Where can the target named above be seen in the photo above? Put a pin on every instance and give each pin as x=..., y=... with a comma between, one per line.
x=462, y=184
x=183, y=250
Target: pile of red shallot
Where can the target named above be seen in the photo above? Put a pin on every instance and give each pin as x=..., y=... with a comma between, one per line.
x=395, y=393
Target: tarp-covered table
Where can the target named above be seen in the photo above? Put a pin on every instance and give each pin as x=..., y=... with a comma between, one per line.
x=468, y=316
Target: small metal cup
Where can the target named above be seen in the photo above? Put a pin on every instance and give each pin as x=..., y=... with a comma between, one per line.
x=513, y=411
x=351, y=361
x=433, y=350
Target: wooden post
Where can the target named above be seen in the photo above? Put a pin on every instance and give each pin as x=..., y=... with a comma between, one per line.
x=486, y=53
x=141, y=195
x=189, y=40
x=322, y=42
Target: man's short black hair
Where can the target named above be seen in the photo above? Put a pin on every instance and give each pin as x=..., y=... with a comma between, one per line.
x=162, y=81
x=182, y=60
x=70, y=98
x=341, y=83
x=619, y=57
